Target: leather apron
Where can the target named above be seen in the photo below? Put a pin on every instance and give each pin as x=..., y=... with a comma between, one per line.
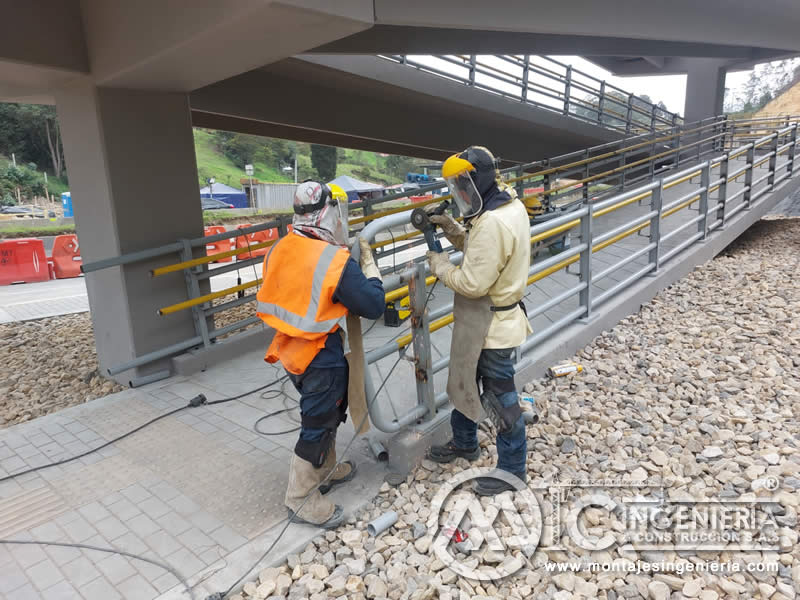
x=356, y=391
x=471, y=320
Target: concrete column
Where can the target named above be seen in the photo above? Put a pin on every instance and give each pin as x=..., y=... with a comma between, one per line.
x=133, y=177
x=705, y=89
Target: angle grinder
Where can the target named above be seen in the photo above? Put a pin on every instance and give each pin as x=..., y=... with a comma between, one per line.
x=420, y=219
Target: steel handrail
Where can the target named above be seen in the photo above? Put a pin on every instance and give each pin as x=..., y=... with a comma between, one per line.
x=639, y=223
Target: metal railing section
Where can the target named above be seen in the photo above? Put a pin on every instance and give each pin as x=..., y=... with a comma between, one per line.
x=549, y=84
x=715, y=207
x=588, y=176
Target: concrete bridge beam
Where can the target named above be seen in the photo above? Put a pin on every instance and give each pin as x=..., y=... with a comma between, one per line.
x=133, y=179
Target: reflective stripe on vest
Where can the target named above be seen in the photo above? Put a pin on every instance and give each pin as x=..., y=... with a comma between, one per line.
x=308, y=321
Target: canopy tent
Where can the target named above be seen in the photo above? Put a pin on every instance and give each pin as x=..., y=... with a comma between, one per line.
x=226, y=193
x=355, y=188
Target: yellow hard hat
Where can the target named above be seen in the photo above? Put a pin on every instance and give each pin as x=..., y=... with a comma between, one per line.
x=455, y=165
x=337, y=193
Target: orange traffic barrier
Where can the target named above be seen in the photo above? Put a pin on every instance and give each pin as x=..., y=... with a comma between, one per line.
x=244, y=241
x=218, y=246
x=66, y=257
x=23, y=261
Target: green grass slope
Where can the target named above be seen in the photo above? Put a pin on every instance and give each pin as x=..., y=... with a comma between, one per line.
x=212, y=163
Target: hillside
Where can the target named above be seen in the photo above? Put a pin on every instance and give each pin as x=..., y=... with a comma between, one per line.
x=788, y=103
x=220, y=155
x=211, y=162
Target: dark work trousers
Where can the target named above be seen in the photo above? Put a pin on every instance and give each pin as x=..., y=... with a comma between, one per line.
x=321, y=389
x=512, y=447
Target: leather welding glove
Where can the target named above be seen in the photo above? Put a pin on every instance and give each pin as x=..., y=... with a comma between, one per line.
x=367, y=263
x=453, y=230
x=440, y=264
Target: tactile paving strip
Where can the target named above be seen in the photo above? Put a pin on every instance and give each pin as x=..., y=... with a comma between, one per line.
x=29, y=509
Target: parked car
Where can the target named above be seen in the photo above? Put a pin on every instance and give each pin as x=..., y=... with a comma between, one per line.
x=22, y=211
x=214, y=204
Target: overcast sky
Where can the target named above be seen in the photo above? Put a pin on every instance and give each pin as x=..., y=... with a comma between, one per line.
x=670, y=89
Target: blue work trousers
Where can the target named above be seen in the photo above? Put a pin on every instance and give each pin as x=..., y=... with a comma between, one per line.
x=512, y=447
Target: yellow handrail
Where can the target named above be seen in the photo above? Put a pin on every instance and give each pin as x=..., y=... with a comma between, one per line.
x=172, y=308
x=208, y=259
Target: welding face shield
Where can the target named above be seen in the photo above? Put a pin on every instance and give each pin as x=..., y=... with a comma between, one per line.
x=465, y=194
x=456, y=172
x=320, y=212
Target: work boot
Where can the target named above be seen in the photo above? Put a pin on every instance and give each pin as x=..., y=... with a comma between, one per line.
x=304, y=500
x=341, y=472
x=449, y=452
x=490, y=486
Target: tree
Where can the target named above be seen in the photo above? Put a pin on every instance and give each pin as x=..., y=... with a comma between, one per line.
x=399, y=166
x=31, y=132
x=323, y=159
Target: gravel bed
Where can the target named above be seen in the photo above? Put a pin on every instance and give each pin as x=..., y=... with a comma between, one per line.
x=698, y=392
x=48, y=364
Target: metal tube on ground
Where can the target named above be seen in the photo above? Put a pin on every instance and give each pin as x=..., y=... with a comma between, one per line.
x=144, y=380
x=378, y=449
x=382, y=523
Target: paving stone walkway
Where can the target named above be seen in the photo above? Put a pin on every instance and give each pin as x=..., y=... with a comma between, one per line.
x=200, y=490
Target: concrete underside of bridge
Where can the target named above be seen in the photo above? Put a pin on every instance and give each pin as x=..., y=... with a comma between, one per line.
x=370, y=103
x=128, y=78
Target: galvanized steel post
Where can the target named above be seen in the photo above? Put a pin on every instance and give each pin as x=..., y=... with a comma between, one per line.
x=629, y=114
x=520, y=185
x=472, y=64
x=525, y=73
x=792, y=148
x=722, y=192
x=656, y=205
x=773, y=148
x=705, y=179
x=567, y=89
x=546, y=184
x=193, y=289
x=585, y=185
x=601, y=101
x=585, y=294
x=422, y=342
x=748, y=176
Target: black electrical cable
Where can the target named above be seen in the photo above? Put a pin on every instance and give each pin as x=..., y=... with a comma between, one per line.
x=161, y=565
x=289, y=521
x=223, y=595
x=198, y=400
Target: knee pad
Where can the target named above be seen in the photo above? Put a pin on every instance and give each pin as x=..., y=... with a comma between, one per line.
x=316, y=452
x=502, y=417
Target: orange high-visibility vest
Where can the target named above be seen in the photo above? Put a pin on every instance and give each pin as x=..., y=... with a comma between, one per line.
x=296, y=298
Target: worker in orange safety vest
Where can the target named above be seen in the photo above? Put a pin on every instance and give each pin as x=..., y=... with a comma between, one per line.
x=310, y=283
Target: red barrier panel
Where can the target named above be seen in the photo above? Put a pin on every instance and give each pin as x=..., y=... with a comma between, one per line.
x=23, y=261
x=251, y=239
x=218, y=246
x=66, y=256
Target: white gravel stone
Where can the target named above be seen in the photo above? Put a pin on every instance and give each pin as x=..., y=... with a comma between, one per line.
x=698, y=390
x=713, y=452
